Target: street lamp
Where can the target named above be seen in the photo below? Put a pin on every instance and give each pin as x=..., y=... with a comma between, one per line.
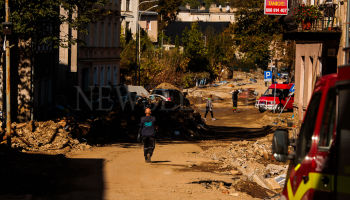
x=138, y=43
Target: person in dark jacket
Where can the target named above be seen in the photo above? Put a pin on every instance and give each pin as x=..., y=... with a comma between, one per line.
x=234, y=100
x=148, y=129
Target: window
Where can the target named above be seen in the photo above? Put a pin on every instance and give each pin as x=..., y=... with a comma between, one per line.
x=127, y=5
x=109, y=75
x=328, y=121
x=86, y=79
x=272, y=92
x=307, y=128
x=115, y=75
x=102, y=75
x=95, y=76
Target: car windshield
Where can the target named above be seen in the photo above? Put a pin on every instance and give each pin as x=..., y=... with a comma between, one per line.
x=271, y=92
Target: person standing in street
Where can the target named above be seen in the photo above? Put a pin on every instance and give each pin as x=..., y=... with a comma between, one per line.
x=147, y=131
x=234, y=100
x=209, y=108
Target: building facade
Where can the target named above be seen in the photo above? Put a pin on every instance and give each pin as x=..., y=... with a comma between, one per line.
x=148, y=21
x=99, y=59
x=319, y=47
x=215, y=13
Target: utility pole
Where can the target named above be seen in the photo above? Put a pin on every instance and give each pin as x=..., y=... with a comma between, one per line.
x=138, y=38
x=7, y=31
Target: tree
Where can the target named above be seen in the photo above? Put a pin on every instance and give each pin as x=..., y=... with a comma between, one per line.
x=253, y=33
x=167, y=10
x=194, y=48
x=31, y=18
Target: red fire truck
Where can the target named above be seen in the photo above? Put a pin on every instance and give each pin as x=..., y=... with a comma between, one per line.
x=320, y=165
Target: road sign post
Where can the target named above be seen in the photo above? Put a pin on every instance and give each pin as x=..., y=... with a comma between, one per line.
x=267, y=76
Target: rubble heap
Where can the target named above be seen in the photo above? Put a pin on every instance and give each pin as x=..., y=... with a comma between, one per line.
x=252, y=159
x=47, y=136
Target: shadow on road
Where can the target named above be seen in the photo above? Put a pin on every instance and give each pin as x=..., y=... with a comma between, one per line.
x=49, y=177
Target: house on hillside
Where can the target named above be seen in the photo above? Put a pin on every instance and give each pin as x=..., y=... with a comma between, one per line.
x=319, y=45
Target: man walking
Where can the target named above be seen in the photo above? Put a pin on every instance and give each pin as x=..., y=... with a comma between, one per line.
x=234, y=100
x=209, y=108
x=147, y=130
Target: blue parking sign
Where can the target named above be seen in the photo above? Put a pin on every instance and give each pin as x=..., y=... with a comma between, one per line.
x=267, y=75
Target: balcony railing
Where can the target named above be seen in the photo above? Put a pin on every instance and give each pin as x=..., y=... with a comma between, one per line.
x=329, y=20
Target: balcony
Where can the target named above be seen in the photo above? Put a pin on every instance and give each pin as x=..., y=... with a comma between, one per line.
x=316, y=18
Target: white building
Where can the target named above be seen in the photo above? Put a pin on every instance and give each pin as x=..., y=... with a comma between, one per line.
x=216, y=13
x=147, y=20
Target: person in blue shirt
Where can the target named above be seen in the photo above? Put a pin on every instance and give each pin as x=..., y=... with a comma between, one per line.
x=147, y=130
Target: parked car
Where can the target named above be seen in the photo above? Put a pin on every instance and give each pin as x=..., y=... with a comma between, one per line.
x=319, y=167
x=284, y=75
x=275, y=98
x=172, y=95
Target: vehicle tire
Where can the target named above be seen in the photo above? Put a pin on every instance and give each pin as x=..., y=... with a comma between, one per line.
x=279, y=108
x=261, y=109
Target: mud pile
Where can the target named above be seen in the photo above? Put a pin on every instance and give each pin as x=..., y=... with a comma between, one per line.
x=47, y=136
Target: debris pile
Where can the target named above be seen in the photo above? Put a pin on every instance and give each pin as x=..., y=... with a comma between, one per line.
x=48, y=136
x=253, y=160
x=167, y=86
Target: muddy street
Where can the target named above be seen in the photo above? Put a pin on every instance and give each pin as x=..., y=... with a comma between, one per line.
x=211, y=168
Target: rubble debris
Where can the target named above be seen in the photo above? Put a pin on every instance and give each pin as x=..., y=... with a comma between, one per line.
x=45, y=136
x=248, y=160
x=272, y=184
x=275, y=169
x=281, y=179
x=167, y=86
x=253, y=189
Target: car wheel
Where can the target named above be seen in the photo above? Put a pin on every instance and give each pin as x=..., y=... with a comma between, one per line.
x=279, y=108
x=261, y=109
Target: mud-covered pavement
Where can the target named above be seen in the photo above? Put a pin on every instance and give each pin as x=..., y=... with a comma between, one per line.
x=231, y=159
x=211, y=168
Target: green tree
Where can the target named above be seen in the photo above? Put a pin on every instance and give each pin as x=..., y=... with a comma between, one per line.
x=31, y=18
x=194, y=48
x=253, y=33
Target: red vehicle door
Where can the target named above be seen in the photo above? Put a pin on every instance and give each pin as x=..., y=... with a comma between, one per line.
x=343, y=136
x=311, y=176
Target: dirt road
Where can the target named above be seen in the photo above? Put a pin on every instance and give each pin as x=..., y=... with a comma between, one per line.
x=173, y=173
x=180, y=169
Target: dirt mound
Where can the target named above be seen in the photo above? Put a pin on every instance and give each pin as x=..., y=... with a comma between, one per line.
x=48, y=136
x=167, y=86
